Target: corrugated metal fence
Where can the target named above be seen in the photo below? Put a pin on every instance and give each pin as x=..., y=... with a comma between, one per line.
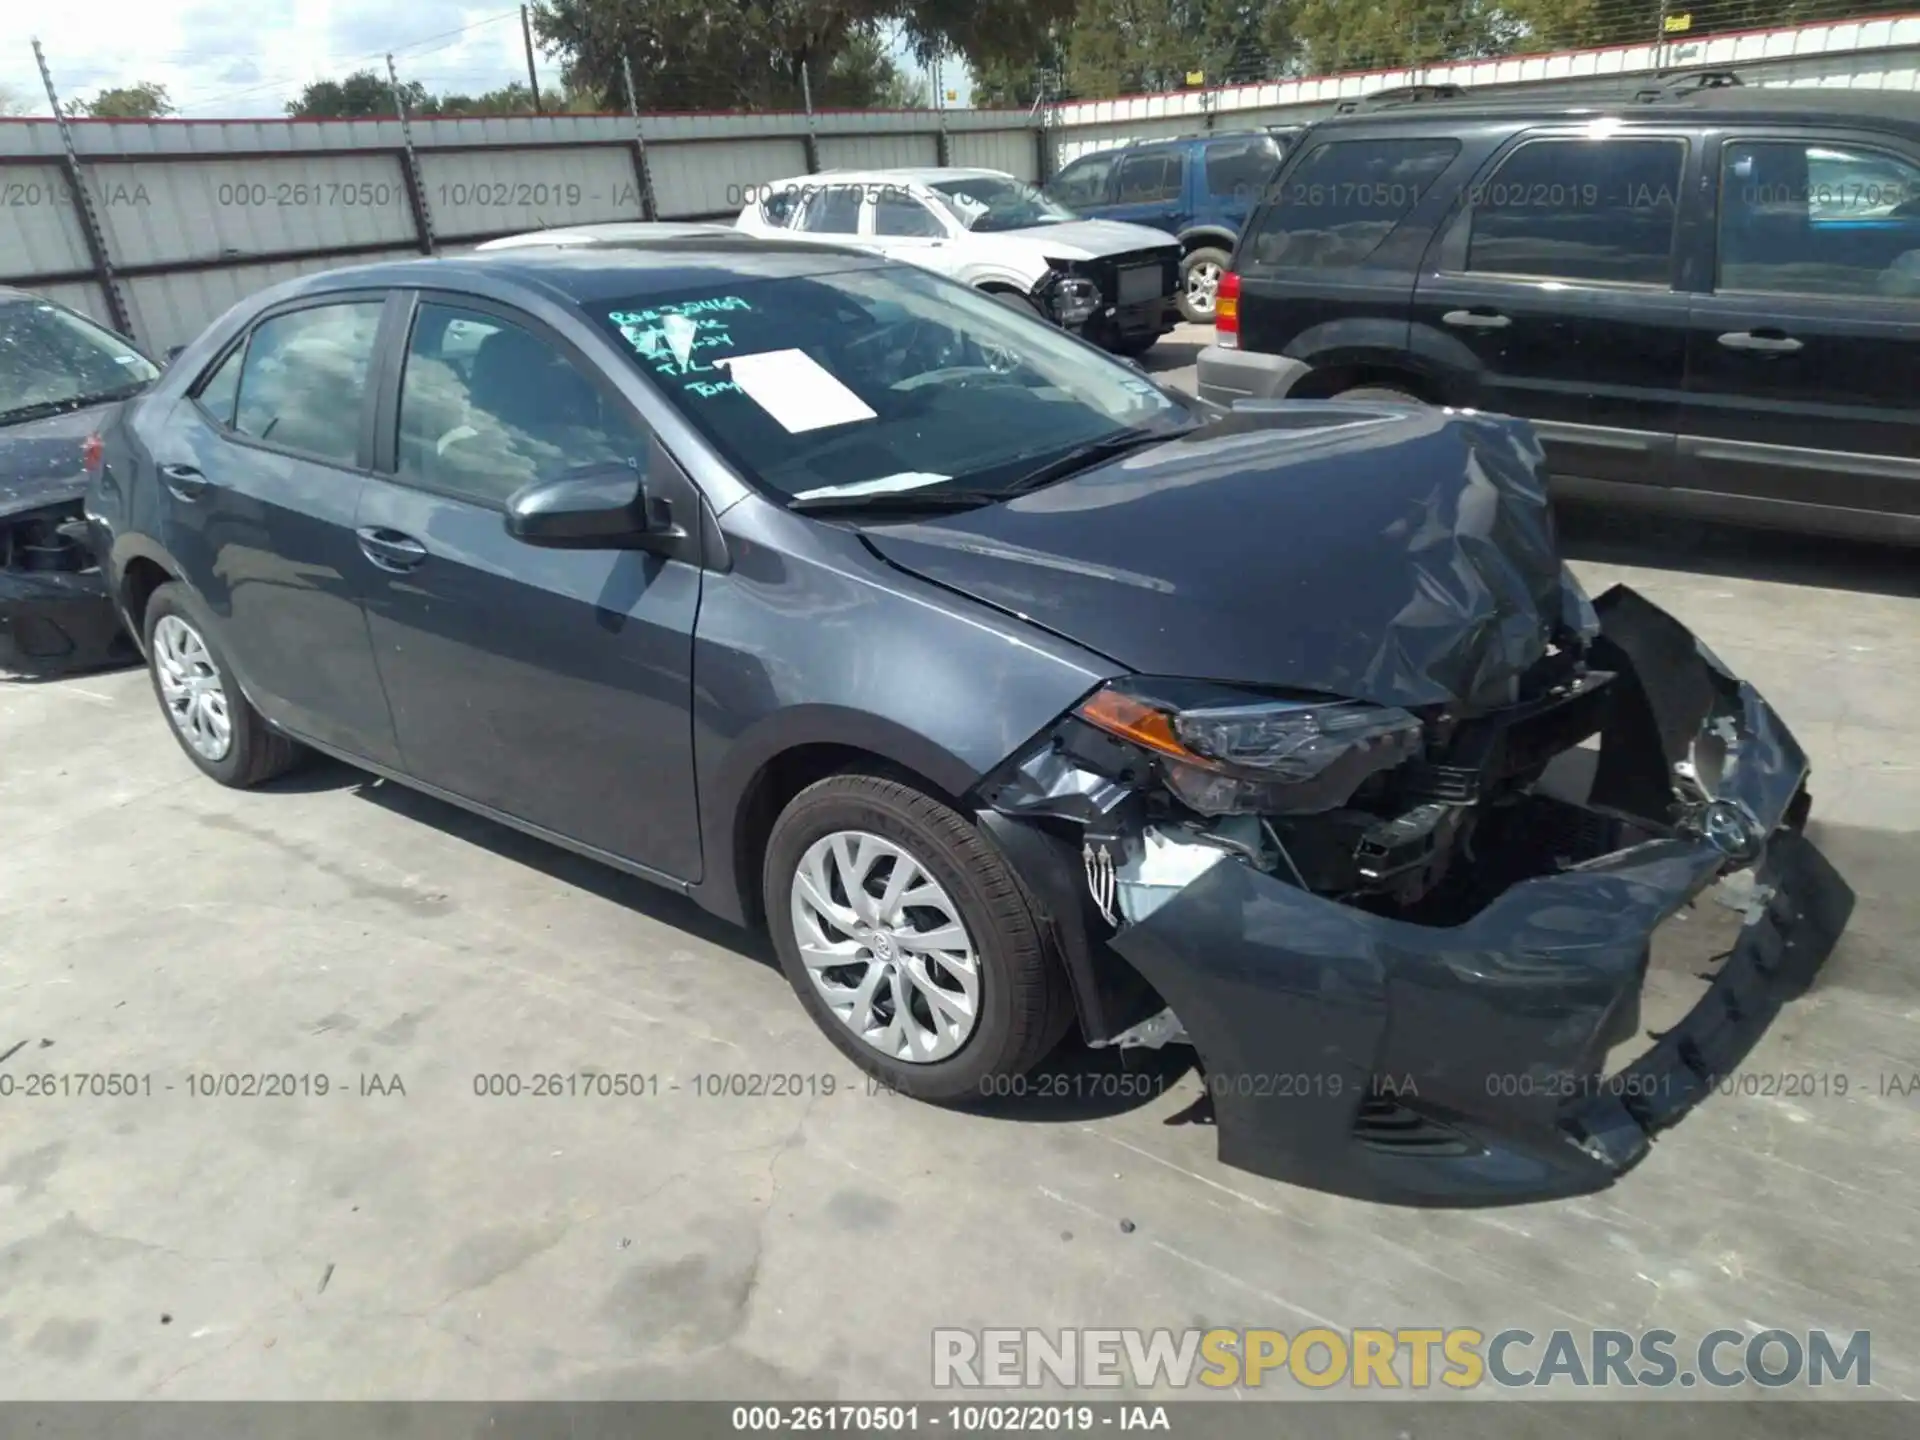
x=184, y=218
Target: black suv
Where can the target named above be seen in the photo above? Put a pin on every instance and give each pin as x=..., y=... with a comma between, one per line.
x=1707, y=301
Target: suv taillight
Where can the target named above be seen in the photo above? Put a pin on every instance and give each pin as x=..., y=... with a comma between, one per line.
x=1226, y=312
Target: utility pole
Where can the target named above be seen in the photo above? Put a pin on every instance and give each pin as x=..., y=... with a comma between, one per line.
x=526, y=37
x=90, y=230
x=416, y=187
x=812, y=136
x=648, y=211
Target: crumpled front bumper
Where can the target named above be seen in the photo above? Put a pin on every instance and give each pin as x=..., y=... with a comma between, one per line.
x=59, y=622
x=1464, y=1065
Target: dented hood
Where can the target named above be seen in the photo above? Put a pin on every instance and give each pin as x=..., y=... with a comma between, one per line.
x=1405, y=556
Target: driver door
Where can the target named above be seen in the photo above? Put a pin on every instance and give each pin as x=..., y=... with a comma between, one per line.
x=550, y=686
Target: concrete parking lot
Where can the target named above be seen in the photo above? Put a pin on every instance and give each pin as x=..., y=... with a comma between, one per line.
x=408, y=1235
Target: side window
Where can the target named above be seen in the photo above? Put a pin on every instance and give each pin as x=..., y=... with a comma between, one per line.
x=1151, y=177
x=833, y=211
x=1238, y=169
x=896, y=212
x=1335, y=207
x=304, y=381
x=480, y=419
x=1818, y=219
x=219, y=391
x=1580, y=210
x=1084, y=182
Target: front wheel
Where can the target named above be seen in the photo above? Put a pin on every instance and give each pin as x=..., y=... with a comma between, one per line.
x=1200, y=276
x=908, y=940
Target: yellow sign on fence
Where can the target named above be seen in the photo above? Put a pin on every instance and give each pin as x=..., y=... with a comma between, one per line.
x=1676, y=24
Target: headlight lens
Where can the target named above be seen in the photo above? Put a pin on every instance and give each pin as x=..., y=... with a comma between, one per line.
x=1222, y=754
x=1073, y=299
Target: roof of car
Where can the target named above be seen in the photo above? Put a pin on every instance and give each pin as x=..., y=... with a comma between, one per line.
x=905, y=174
x=631, y=270
x=607, y=232
x=1748, y=102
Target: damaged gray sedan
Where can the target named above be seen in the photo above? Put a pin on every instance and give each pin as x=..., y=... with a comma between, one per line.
x=1009, y=691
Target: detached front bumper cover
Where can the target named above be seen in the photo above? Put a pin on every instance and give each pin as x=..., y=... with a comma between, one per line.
x=1464, y=1064
x=55, y=620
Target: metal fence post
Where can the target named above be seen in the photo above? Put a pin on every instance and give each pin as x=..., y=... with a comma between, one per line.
x=943, y=139
x=812, y=139
x=642, y=170
x=416, y=186
x=1043, y=114
x=90, y=229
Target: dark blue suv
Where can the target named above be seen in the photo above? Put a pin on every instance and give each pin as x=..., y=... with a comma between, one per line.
x=1200, y=189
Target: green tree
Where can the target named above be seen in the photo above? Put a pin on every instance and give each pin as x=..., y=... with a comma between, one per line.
x=514, y=99
x=362, y=95
x=143, y=101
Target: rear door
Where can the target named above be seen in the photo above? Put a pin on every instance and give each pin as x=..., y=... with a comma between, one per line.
x=1150, y=188
x=1803, y=360
x=1555, y=292
x=552, y=686
x=1326, y=264
x=261, y=470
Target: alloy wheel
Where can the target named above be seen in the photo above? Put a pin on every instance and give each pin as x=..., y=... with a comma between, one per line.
x=191, y=689
x=885, y=947
x=1203, y=286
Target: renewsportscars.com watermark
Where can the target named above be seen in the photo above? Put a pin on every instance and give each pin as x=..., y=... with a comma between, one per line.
x=1401, y=1359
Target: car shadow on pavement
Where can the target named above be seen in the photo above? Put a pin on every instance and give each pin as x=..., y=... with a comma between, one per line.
x=654, y=901
x=1663, y=542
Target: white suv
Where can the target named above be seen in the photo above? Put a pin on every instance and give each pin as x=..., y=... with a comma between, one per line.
x=1112, y=282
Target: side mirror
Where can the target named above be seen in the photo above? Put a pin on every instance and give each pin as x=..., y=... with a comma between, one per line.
x=596, y=507
x=174, y=352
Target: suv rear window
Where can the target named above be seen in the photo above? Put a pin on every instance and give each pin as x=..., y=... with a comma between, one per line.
x=1344, y=198
x=1579, y=209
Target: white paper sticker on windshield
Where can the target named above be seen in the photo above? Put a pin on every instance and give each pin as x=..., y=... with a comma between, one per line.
x=793, y=387
x=886, y=484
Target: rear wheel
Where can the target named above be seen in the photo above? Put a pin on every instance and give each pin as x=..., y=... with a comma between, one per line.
x=908, y=940
x=1200, y=276
x=219, y=731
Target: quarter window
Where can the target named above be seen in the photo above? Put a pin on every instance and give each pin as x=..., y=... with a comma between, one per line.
x=1148, y=178
x=303, y=384
x=833, y=211
x=1580, y=209
x=1341, y=201
x=1818, y=219
x=487, y=408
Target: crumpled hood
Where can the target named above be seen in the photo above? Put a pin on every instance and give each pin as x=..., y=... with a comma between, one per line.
x=1403, y=556
x=40, y=460
x=1089, y=239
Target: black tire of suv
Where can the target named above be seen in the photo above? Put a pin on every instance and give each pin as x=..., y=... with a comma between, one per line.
x=1026, y=1004
x=1380, y=392
x=259, y=752
x=1204, y=255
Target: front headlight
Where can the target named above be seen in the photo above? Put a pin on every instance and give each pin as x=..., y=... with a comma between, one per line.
x=1224, y=752
x=1071, y=299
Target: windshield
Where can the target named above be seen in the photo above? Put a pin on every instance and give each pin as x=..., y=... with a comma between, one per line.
x=51, y=359
x=867, y=381
x=985, y=203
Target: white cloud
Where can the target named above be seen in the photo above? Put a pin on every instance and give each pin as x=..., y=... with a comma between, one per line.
x=249, y=59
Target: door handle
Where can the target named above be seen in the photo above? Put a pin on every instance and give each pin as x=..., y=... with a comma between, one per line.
x=184, y=481
x=1476, y=319
x=390, y=550
x=1770, y=342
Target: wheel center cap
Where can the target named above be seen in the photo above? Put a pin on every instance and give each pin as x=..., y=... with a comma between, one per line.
x=882, y=946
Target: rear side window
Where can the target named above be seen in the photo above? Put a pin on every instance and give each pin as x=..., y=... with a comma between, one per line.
x=1580, y=210
x=1238, y=169
x=833, y=211
x=304, y=381
x=1084, y=182
x=1343, y=199
x=1818, y=219
x=1150, y=177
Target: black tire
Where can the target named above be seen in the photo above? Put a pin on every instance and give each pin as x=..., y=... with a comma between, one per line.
x=256, y=752
x=1025, y=1004
x=1381, y=392
x=1134, y=346
x=1015, y=301
x=1205, y=255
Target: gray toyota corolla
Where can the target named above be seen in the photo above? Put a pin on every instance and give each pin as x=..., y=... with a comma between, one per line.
x=1011, y=692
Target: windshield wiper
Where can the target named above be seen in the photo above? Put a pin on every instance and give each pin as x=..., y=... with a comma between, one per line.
x=1084, y=457
x=41, y=409
x=898, y=501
